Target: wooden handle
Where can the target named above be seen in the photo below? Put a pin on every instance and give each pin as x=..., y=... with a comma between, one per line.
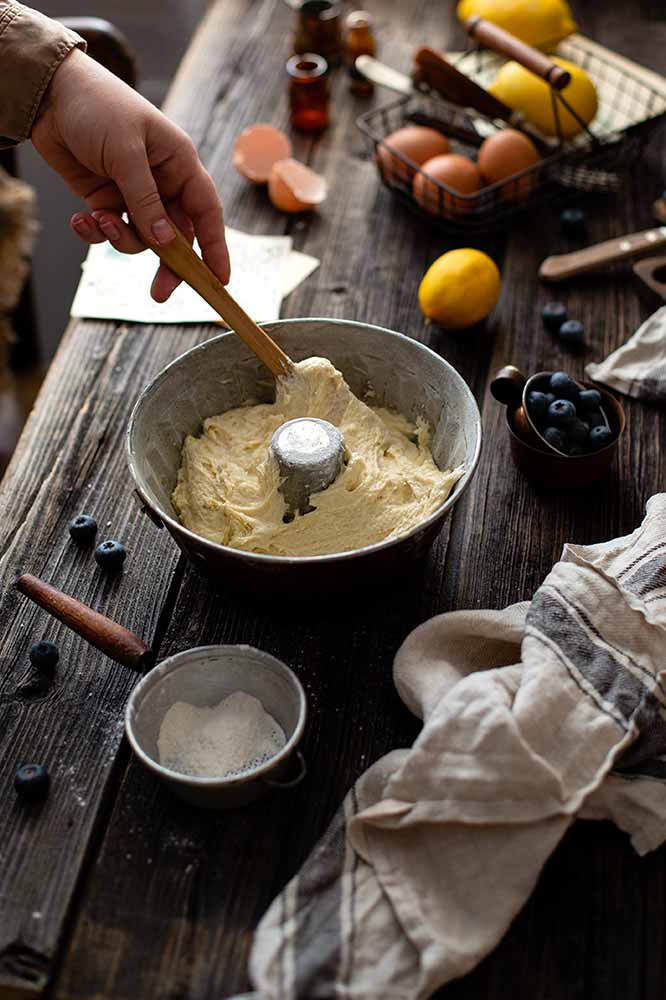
x=183, y=261
x=501, y=41
x=567, y=265
x=114, y=640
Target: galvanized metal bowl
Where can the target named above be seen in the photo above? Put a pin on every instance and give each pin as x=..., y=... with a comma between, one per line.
x=204, y=676
x=381, y=366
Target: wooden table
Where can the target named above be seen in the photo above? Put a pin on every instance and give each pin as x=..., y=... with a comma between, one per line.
x=112, y=889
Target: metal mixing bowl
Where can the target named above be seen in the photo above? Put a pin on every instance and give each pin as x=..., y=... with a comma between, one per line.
x=381, y=366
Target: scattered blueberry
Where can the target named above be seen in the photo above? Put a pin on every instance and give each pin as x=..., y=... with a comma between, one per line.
x=110, y=555
x=561, y=412
x=572, y=333
x=553, y=314
x=572, y=221
x=600, y=436
x=595, y=419
x=563, y=386
x=537, y=406
x=44, y=655
x=588, y=399
x=32, y=782
x=83, y=529
x=579, y=432
x=556, y=438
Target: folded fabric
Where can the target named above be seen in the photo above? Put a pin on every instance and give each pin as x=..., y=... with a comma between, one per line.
x=638, y=368
x=532, y=716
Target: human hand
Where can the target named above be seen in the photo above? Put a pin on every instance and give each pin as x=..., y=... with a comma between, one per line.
x=120, y=154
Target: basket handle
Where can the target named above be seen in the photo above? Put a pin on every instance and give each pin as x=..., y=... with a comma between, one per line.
x=501, y=41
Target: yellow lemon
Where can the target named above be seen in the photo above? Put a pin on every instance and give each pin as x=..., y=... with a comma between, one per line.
x=523, y=91
x=537, y=22
x=459, y=288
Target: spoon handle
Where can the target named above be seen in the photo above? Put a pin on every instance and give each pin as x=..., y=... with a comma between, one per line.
x=567, y=265
x=179, y=256
x=102, y=633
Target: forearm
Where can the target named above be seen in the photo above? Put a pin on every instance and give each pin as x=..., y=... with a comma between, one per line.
x=32, y=47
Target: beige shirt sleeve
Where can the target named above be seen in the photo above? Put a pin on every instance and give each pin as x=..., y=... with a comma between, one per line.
x=32, y=47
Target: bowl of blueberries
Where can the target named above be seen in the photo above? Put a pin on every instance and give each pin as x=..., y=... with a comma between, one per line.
x=564, y=433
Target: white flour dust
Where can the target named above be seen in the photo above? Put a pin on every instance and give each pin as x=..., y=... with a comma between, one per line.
x=234, y=736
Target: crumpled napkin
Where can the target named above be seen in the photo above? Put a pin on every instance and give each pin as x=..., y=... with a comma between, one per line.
x=534, y=715
x=638, y=368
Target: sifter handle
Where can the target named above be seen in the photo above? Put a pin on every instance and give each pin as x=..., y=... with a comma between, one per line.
x=501, y=41
x=102, y=633
x=567, y=265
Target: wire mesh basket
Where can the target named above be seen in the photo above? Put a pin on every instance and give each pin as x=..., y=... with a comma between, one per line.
x=631, y=106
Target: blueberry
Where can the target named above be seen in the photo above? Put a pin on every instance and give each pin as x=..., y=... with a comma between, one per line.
x=550, y=396
x=572, y=221
x=110, y=555
x=32, y=782
x=600, y=437
x=564, y=386
x=553, y=314
x=576, y=449
x=572, y=333
x=595, y=419
x=579, y=432
x=556, y=438
x=537, y=406
x=83, y=529
x=561, y=412
x=588, y=399
x=44, y=655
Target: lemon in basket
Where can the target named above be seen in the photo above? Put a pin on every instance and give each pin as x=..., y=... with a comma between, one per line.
x=538, y=22
x=459, y=289
x=523, y=91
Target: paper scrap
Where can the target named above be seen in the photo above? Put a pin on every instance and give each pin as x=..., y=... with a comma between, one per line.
x=264, y=270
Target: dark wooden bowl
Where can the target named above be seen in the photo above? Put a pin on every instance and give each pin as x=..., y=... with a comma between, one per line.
x=544, y=466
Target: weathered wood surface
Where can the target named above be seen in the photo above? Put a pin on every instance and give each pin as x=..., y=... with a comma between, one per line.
x=113, y=889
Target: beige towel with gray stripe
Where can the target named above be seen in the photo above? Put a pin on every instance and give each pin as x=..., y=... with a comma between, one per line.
x=638, y=368
x=532, y=716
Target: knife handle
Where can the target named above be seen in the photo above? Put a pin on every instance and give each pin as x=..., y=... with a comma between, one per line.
x=567, y=265
x=501, y=41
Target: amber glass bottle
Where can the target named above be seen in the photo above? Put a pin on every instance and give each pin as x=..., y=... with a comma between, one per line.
x=359, y=41
x=308, y=92
x=317, y=30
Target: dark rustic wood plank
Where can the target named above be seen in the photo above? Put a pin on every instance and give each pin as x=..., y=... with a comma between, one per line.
x=71, y=458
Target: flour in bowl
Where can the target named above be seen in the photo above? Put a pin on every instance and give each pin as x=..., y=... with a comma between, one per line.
x=233, y=736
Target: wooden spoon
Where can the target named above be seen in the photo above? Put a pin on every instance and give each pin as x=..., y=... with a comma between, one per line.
x=183, y=261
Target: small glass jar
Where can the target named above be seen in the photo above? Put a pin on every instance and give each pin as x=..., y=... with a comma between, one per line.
x=308, y=92
x=359, y=41
x=318, y=30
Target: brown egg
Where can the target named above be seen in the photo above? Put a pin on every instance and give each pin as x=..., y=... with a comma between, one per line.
x=293, y=187
x=457, y=173
x=416, y=143
x=505, y=154
x=257, y=149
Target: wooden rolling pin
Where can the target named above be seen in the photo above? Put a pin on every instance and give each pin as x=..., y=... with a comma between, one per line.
x=567, y=265
x=102, y=633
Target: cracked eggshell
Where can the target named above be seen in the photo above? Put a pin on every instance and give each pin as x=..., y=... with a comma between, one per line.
x=293, y=187
x=257, y=149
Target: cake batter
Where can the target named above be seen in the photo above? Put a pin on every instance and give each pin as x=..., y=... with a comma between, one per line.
x=228, y=482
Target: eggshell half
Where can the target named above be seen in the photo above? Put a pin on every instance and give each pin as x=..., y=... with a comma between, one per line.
x=293, y=187
x=457, y=173
x=416, y=143
x=257, y=149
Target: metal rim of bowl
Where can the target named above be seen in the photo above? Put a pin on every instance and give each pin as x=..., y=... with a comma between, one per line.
x=242, y=554
x=175, y=662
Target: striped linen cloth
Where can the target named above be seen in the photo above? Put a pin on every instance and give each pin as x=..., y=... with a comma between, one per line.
x=548, y=710
x=638, y=368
